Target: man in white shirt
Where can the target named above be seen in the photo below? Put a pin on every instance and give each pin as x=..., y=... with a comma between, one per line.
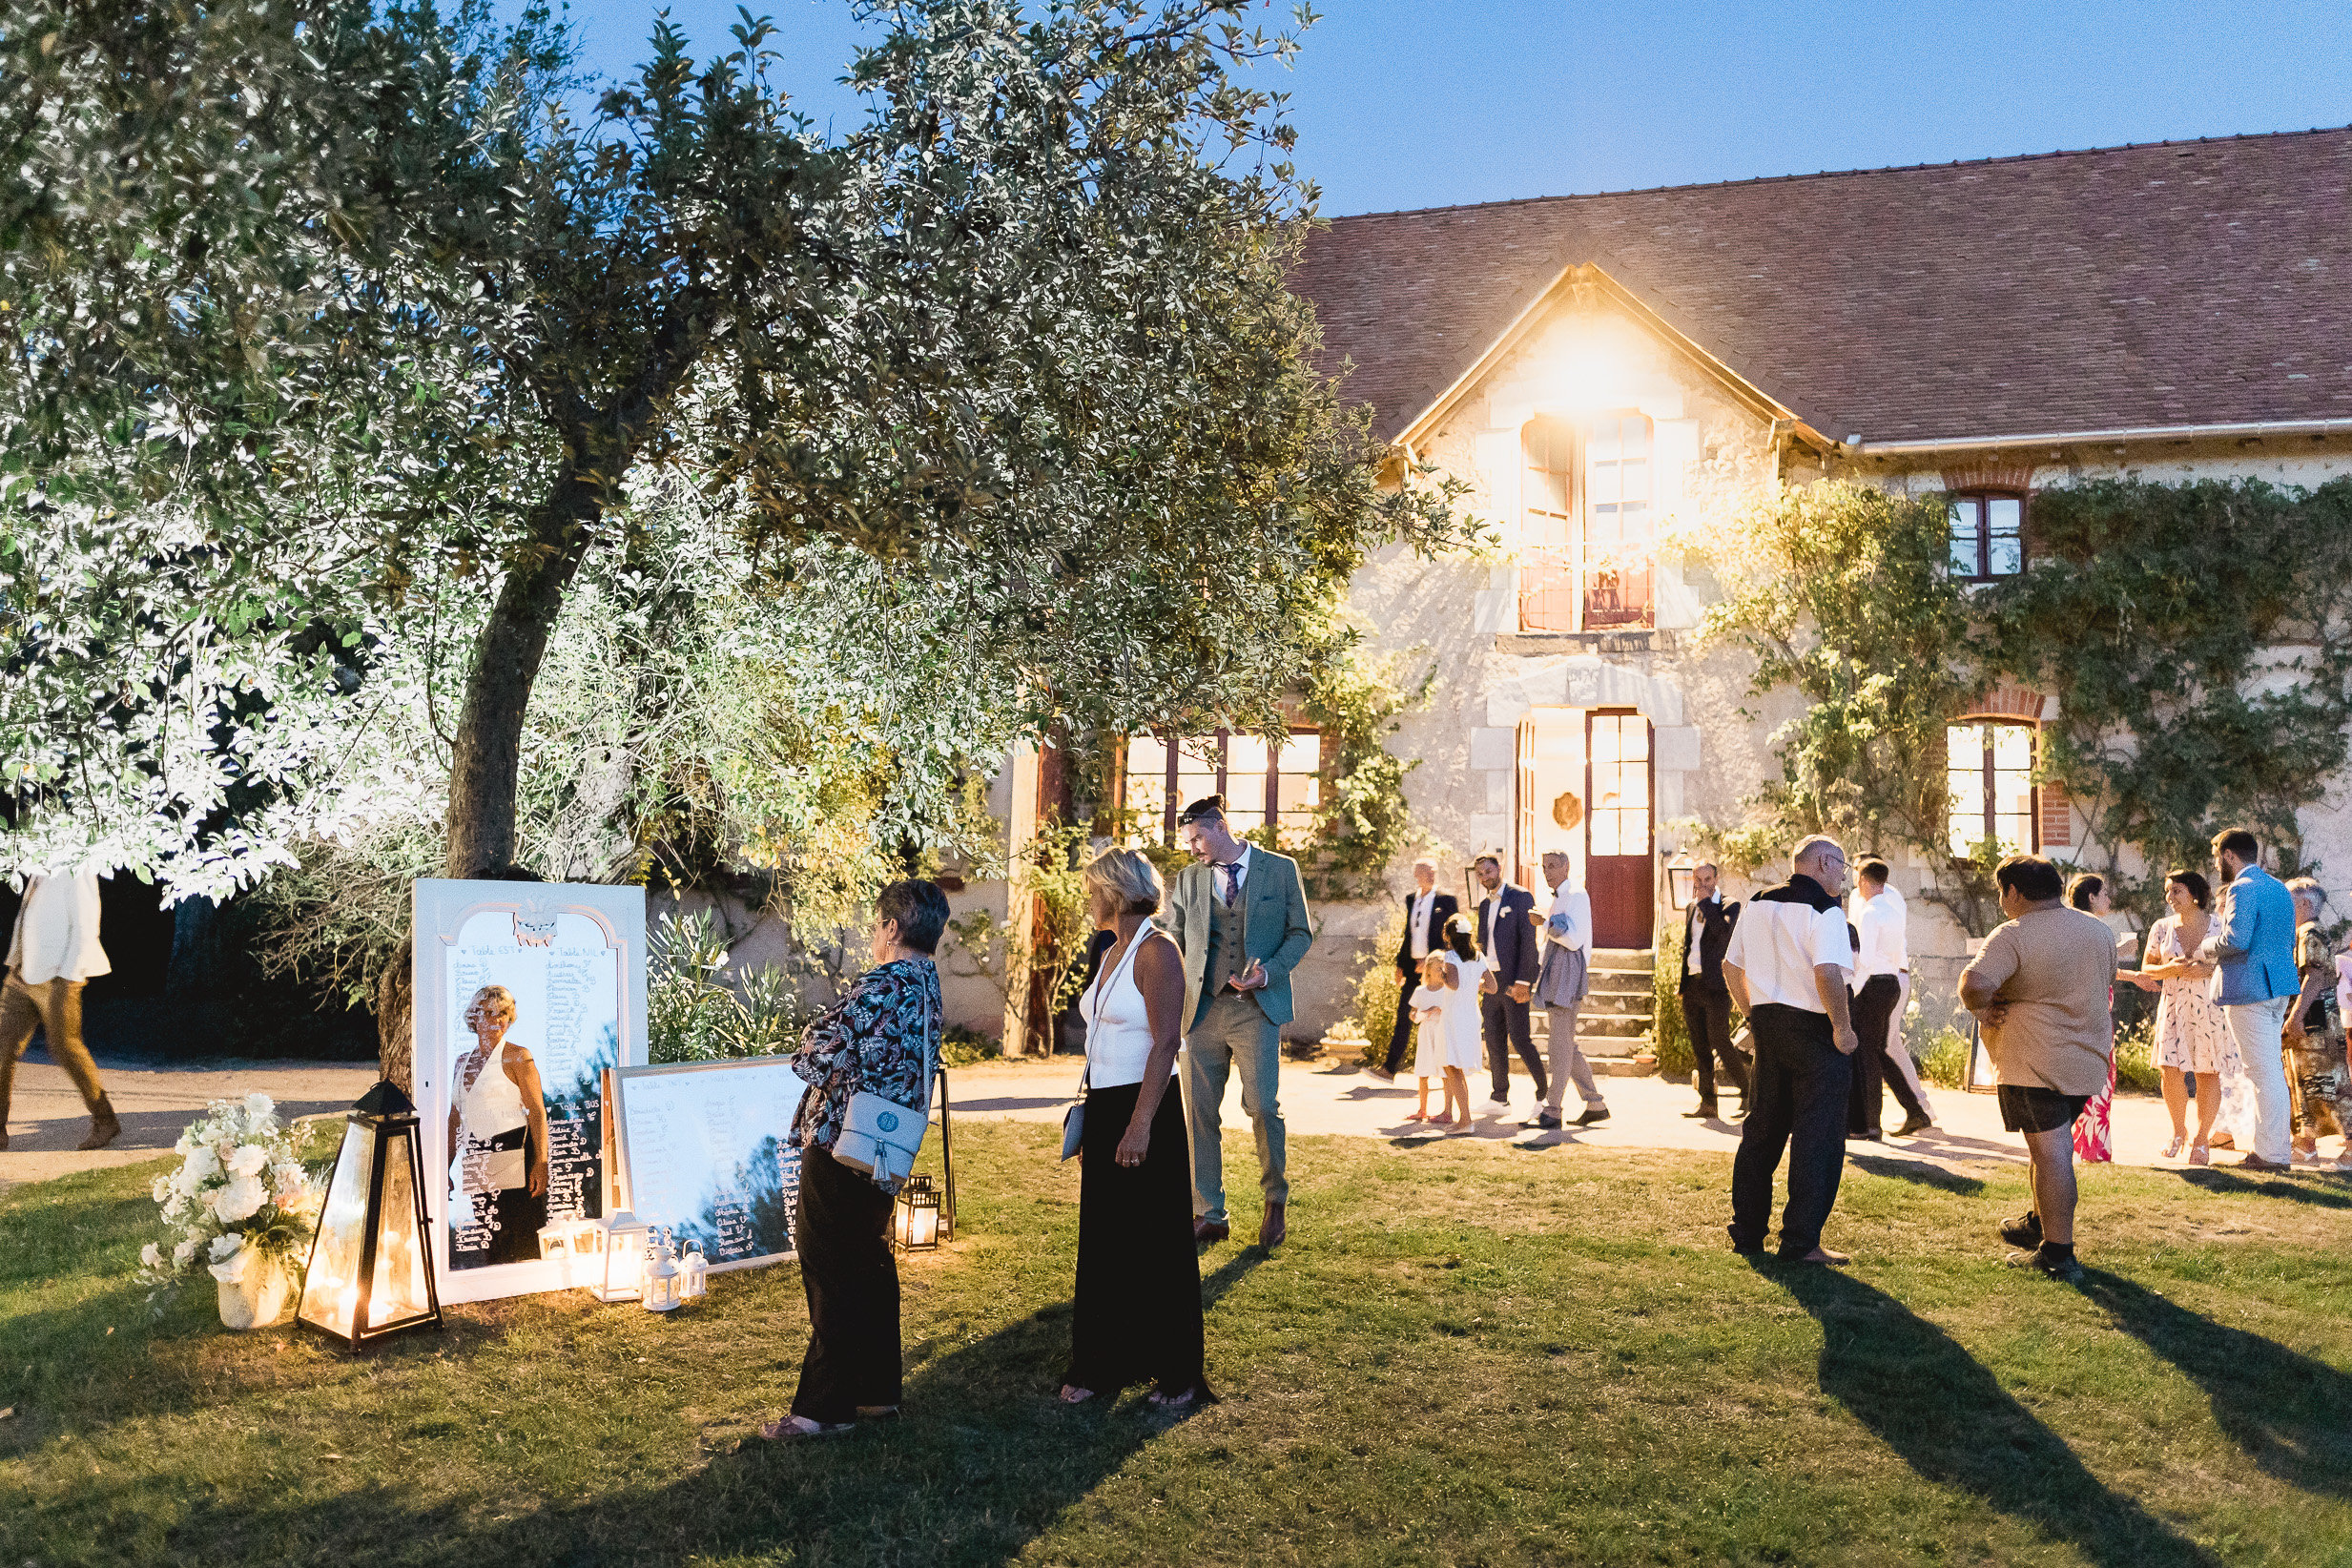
x=1426, y=913
x=53, y=950
x=1879, y=920
x=1787, y=966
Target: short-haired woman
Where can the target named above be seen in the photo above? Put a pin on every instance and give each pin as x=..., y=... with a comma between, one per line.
x=502, y=1156
x=1137, y=1308
x=2191, y=1035
x=879, y=1038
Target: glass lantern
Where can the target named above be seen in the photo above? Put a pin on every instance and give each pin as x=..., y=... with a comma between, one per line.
x=915, y=1221
x=371, y=1263
x=1680, y=873
x=617, y=1269
x=664, y=1280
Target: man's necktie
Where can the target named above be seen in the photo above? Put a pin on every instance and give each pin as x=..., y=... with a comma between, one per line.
x=1228, y=873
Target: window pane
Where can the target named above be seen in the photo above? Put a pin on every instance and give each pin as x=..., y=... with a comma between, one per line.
x=1196, y=769
x=2005, y=556
x=1967, y=517
x=2004, y=514
x=2012, y=745
x=1301, y=755
x=1634, y=479
x=1245, y=799
x=1245, y=754
x=1965, y=748
x=1547, y=591
x=1147, y=784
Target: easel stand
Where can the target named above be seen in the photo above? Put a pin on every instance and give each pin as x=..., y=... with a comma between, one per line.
x=947, y=1159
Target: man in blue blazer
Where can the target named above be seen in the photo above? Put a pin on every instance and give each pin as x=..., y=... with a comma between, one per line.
x=1238, y=914
x=2251, y=949
x=1507, y=937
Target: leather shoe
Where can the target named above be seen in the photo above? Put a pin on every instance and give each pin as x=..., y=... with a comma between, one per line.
x=1593, y=1115
x=1381, y=1073
x=1273, y=1227
x=2254, y=1162
x=1704, y=1113
x=1548, y=1122
x=1913, y=1124
x=2025, y=1230
x=1209, y=1232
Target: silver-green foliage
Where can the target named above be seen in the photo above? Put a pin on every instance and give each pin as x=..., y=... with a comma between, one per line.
x=693, y=1014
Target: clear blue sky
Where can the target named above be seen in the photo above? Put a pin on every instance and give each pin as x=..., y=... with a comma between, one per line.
x=1478, y=100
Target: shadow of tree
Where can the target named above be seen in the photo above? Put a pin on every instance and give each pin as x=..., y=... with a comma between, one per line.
x=1951, y=1420
x=2290, y=1414
x=986, y=1459
x=2212, y=1179
x=1913, y=1170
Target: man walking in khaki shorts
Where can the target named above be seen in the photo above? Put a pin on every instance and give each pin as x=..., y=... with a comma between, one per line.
x=53, y=951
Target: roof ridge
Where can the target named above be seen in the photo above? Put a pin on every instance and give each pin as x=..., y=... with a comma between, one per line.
x=1844, y=174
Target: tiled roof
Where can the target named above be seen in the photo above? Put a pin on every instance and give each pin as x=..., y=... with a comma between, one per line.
x=2172, y=284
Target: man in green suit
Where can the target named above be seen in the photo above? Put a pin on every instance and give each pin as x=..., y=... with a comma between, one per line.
x=1239, y=915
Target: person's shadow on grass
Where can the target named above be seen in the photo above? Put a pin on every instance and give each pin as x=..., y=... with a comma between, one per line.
x=2292, y=1415
x=1951, y=1420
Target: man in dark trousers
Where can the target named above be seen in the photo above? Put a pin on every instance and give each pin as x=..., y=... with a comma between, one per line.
x=1707, y=1002
x=1507, y=937
x=1426, y=913
x=1787, y=965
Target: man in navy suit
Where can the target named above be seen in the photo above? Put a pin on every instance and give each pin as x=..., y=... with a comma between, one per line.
x=1426, y=913
x=1507, y=937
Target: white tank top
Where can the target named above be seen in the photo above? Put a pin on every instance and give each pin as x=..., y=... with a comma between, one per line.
x=1118, y=1026
x=494, y=1104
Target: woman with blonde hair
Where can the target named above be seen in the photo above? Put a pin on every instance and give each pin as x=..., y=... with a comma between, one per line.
x=1137, y=1308
x=501, y=1165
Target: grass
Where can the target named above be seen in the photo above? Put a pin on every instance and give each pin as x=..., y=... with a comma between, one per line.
x=1466, y=1355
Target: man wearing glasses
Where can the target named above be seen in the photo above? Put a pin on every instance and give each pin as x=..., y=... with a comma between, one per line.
x=1787, y=966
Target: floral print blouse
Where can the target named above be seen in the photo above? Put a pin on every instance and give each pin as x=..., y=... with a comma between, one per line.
x=875, y=1039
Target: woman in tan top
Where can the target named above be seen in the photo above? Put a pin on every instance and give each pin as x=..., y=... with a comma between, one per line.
x=2040, y=989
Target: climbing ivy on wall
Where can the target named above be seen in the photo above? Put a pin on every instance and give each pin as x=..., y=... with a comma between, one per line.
x=2197, y=637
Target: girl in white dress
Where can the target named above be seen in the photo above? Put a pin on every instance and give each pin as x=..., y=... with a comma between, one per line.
x=2191, y=1034
x=1439, y=984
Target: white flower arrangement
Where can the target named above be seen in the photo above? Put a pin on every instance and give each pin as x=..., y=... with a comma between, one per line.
x=241, y=1192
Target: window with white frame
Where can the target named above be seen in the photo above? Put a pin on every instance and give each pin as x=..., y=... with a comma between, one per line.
x=1589, y=524
x=1262, y=781
x=1988, y=769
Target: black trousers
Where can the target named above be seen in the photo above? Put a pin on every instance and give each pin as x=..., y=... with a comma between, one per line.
x=1707, y=1015
x=840, y=1225
x=1401, y=1036
x=1506, y=1024
x=1874, y=1007
x=1795, y=1104
x=1137, y=1308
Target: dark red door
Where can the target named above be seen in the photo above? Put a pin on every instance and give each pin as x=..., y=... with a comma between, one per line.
x=1617, y=826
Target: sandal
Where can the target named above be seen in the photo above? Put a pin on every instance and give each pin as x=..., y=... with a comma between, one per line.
x=1174, y=1401
x=791, y=1429
x=2199, y=1155
x=2171, y=1151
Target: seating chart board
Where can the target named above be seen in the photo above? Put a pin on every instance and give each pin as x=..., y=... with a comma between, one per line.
x=707, y=1149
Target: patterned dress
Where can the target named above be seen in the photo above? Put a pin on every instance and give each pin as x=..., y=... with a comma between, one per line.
x=2192, y=1035
x=878, y=1037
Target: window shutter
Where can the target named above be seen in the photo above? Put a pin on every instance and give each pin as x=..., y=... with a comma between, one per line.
x=2057, y=817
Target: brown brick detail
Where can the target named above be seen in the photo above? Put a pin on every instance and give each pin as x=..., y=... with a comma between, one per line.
x=2058, y=815
x=1989, y=474
x=2003, y=702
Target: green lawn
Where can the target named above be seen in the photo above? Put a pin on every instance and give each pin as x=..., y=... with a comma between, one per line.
x=1465, y=1355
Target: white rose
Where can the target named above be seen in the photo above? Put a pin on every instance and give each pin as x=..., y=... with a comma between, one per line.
x=287, y=1181
x=162, y=1188
x=185, y=1147
x=184, y=1255
x=259, y=1106
x=202, y=1166
x=231, y=1270
x=151, y=1255
x=239, y=1199
x=226, y=1244
x=248, y=1159
x=175, y=1210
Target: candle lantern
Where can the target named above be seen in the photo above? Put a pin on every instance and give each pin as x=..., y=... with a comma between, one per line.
x=693, y=1274
x=662, y=1278
x=918, y=1219
x=1680, y=872
x=617, y=1271
x=371, y=1266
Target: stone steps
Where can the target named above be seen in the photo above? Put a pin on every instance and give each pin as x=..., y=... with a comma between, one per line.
x=1613, y=1028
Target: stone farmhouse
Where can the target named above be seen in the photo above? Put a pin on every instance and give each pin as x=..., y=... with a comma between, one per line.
x=1595, y=368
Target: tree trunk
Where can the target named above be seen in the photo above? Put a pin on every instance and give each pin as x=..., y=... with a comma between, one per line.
x=487, y=758
x=395, y=1020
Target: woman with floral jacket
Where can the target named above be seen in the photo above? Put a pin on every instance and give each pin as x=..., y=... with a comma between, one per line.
x=878, y=1038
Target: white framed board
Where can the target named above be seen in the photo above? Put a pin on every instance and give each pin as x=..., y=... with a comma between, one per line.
x=706, y=1149
x=572, y=955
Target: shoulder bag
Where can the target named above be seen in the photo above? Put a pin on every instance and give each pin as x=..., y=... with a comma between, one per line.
x=882, y=1137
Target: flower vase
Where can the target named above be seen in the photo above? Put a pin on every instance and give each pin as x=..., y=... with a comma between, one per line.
x=255, y=1299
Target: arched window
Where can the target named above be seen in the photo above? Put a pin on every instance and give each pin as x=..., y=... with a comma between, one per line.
x=1589, y=524
x=1988, y=766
